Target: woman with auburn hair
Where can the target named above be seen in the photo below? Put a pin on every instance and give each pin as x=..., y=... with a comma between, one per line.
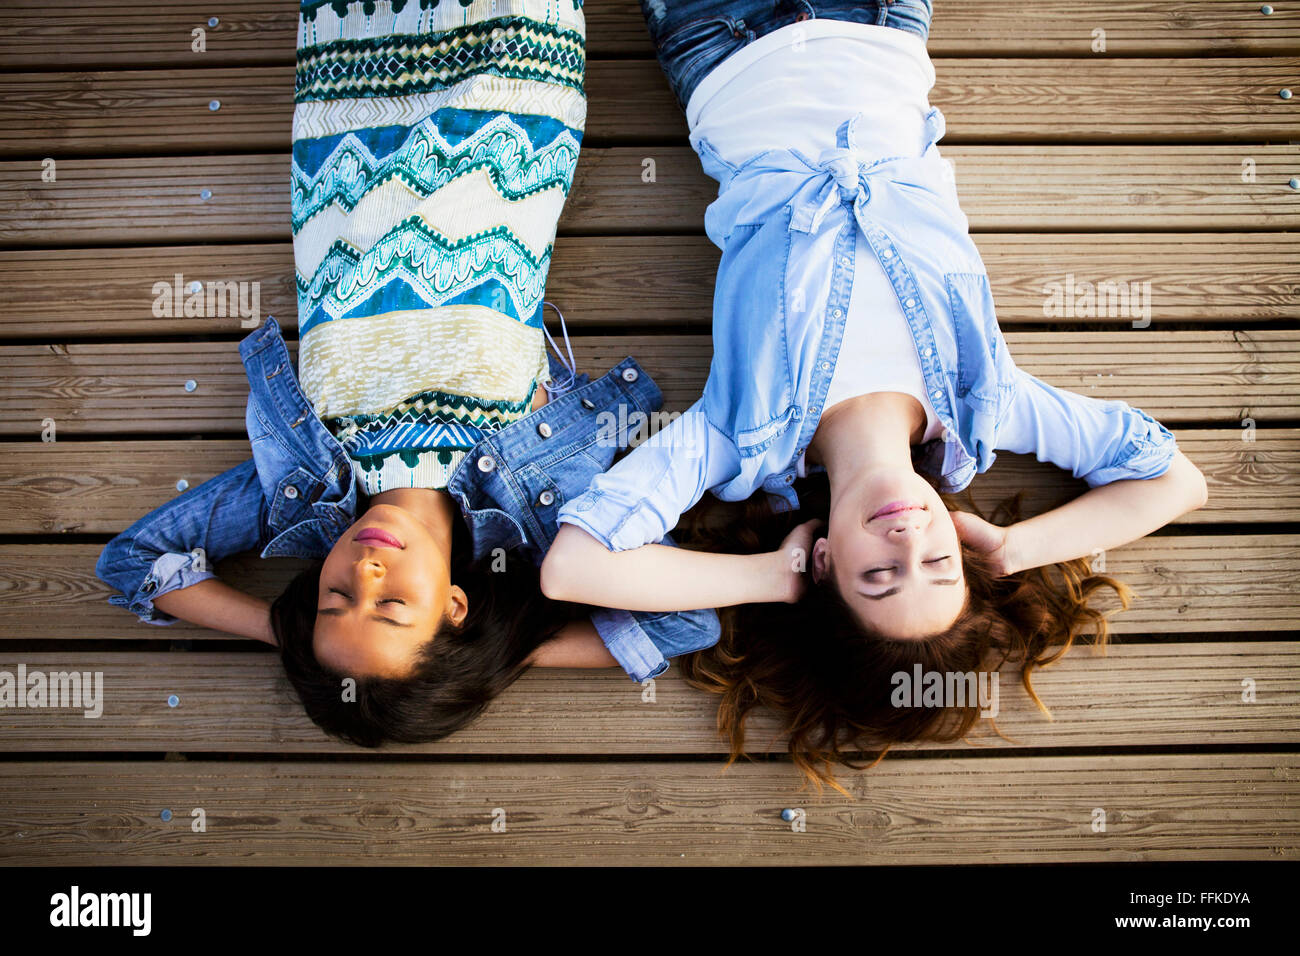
x=854, y=334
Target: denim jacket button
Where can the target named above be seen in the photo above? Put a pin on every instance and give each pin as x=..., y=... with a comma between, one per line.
x=629, y=375
x=588, y=404
x=887, y=253
x=486, y=464
x=927, y=351
x=544, y=430
x=291, y=492
x=546, y=499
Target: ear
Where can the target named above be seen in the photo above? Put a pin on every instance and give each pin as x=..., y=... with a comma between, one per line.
x=821, y=563
x=457, y=605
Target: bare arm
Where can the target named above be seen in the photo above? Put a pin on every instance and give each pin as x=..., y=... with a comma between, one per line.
x=215, y=604
x=655, y=577
x=577, y=645
x=1104, y=517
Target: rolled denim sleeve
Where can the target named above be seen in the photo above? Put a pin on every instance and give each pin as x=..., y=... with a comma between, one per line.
x=642, y=642
x=641, y=498
x=175, y=545
x=1097, y=440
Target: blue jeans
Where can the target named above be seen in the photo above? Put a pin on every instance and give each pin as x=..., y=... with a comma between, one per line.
x=691, y=37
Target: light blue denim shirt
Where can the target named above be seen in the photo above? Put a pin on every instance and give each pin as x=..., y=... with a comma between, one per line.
x=788, y=226
x=297, y=495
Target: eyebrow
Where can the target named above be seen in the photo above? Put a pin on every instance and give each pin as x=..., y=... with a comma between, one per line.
x=338, y=612
x=891, y=591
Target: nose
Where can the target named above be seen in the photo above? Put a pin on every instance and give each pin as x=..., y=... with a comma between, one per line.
x=369, y=568
x=908, y=526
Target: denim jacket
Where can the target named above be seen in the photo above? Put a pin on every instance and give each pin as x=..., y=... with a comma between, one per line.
x=297, y=495
x=787, y=226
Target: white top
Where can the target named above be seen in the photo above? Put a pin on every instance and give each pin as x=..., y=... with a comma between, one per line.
x=878, y=353
x=791, y=89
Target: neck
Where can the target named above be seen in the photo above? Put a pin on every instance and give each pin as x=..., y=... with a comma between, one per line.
x=866, y=433
x=432, y=508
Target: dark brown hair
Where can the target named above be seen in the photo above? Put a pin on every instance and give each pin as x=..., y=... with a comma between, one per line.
x=459, y=670
x=829, y=681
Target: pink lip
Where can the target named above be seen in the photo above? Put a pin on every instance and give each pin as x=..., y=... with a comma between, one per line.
x=896, y=507
x=377, y=538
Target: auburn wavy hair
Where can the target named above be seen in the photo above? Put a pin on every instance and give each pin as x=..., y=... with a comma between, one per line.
x=829, y=682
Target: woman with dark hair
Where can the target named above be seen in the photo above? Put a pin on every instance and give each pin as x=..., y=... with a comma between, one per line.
x=854, y=334
x=430, y=437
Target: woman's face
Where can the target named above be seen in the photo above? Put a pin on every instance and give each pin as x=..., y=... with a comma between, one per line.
x=893, y=553
x=385, y=589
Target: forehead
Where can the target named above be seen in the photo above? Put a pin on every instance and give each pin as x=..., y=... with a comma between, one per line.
x=918, y=610
x=365, y=648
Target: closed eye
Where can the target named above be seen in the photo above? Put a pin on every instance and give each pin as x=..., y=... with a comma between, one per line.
x=866, y=575
x=348, y=597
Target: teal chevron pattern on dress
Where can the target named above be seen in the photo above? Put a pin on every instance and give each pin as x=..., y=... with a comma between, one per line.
x=522, y=155
x=412, y=265
x=434, y=146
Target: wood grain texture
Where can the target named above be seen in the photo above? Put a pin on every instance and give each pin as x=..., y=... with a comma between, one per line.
x=915, y=811
x=1137, y=694
x=92, y=487
x=1164, y=159
x=152, y=200
x=115, y=34
x=1185, y=584
x=133, y=112
x=657, y=281
x=139, y=388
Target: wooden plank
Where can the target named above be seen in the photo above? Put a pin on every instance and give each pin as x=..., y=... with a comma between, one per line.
x=153, y=200
x=102, y=487
x=1137, y=695
x=95, y=388
x=1186, y=584
x=1042, y=101
x=1194, y=277
x=1048, y=101
x=112, y=33
x=914, y=811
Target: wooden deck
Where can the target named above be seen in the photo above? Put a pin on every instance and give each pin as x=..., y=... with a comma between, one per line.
x=1167, y=159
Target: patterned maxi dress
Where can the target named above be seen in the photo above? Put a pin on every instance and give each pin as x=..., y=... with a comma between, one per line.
x=434, y=145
